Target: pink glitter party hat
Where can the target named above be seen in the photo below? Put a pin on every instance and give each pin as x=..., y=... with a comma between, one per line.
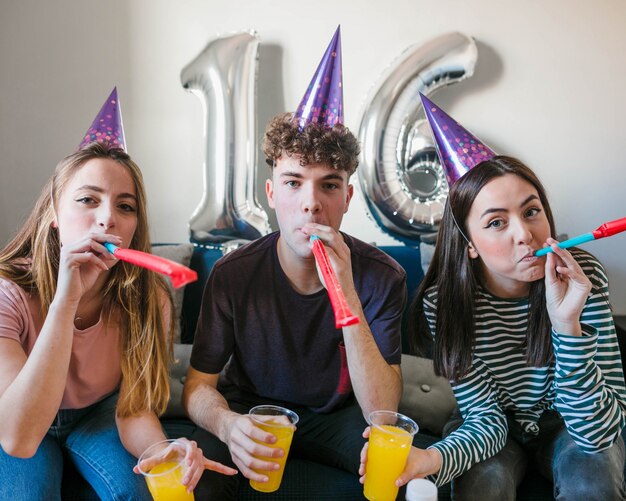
x=107, y=127
x=459, y=150
x=323, y=100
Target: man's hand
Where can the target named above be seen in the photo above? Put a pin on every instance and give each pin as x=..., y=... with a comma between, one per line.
x=338, y=253
x=246, y=444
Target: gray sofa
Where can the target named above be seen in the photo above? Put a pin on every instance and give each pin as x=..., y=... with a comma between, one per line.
x=426, y=398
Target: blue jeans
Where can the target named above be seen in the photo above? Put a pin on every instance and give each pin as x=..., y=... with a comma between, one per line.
x=575, y=474
x=88, y=438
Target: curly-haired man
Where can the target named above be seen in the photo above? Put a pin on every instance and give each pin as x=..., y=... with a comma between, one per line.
x=267, y=322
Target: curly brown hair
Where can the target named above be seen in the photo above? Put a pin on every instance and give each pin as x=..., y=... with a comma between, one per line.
x=316, y=143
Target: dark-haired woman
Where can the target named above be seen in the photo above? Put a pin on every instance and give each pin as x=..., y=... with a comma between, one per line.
x=528, y=344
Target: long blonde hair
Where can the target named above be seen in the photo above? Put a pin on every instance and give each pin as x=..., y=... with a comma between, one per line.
x=134, y=295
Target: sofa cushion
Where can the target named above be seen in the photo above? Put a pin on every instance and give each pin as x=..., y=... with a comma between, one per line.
x=202, y=261
x=179, y=253
x=426, y=398
x=178, y=371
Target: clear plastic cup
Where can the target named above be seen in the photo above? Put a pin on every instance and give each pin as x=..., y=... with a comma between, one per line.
x=163, y=466
x=391, y=436
x=281, y=423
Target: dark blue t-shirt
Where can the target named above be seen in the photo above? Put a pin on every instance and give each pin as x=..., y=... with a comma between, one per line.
x=284, y=345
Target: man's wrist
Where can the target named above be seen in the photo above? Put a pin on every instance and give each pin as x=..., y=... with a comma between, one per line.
x=225, y=418
x=353, y=300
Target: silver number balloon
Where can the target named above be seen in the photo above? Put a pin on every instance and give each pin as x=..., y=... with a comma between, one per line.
x=400, y=174
x=223, y=76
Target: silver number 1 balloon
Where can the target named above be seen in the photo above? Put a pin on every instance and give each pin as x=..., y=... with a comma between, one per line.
x=223, y=76
x=400, y=175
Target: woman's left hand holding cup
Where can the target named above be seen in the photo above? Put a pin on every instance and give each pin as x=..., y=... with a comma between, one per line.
x=192, y=459
x=196, y=463
x=420, y=463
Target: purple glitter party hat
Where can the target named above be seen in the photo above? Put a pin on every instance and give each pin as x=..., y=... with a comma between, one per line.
x=459, y=150
x=323, y=101
x=107, y=126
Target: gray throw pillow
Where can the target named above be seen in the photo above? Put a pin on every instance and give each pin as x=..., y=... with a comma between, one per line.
x=426, y=398
x=179, y=253
x=178, y=371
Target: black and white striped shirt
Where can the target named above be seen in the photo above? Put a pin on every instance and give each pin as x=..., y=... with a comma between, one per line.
x=585, y=383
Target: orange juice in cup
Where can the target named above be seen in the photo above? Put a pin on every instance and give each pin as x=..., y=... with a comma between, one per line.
x=391, y=436
x=281, y=423
x=165, y=474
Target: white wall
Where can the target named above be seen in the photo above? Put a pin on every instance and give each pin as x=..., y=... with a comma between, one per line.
x=548, y=88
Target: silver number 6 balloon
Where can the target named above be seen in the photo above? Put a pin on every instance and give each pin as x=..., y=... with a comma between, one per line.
x=400, y=175
x=223, y=76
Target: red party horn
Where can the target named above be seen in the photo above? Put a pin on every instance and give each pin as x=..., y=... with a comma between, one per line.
x=343, y=315
x=179, y=274
x=610, y=228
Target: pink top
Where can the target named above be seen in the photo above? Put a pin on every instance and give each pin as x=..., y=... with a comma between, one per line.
x=94, y=370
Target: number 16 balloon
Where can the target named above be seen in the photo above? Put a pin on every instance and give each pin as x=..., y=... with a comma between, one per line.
x=400, y=176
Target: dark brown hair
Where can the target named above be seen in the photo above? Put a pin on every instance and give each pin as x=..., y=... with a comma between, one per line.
x=316, y=143
x=456, y=278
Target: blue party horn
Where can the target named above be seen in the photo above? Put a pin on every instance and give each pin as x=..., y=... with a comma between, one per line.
x=605, y=230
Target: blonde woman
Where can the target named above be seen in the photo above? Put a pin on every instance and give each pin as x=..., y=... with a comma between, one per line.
x=84, y=339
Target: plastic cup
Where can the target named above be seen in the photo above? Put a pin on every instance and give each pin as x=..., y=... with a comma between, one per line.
x=281, y=423
x=391, y=436
x=164, y=462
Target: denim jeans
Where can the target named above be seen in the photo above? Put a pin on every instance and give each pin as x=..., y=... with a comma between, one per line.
x=88, y=438
x=575, y=474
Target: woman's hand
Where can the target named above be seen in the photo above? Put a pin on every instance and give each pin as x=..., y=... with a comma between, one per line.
x=194, y=463
x=567, y=290
x=420, y=463
x=81, y=263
